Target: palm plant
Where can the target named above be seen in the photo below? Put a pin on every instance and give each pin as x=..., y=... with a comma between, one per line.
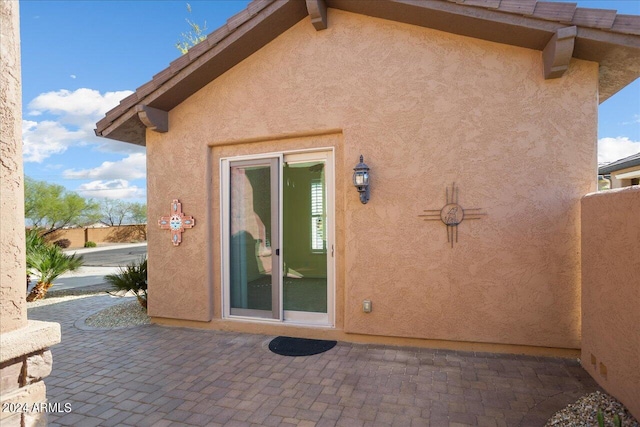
x=132, y=278
x=49, y=262
x=34, y=242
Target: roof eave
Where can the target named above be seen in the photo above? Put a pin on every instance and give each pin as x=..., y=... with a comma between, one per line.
x=604, y=170
x=244, y=34
x=530, y=25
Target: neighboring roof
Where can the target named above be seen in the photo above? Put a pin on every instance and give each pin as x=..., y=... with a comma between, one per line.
x=627, y=162
x=600, y=35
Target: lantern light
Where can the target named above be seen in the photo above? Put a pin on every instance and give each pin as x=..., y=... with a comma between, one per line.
x=361, y=180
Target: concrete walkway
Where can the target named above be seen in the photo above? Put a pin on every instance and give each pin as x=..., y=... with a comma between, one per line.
x=159, y=376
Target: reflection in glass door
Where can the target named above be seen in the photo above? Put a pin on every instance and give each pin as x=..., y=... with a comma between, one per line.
x=253, y=240
x=277, y=236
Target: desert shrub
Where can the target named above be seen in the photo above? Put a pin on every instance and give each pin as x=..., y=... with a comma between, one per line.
x=62, y=243
x=132, y=278
x=90, y=244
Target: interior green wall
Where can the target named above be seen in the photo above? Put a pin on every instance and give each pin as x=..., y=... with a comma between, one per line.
x=297, y=224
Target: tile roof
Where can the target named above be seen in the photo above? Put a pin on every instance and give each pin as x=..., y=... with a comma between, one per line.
x=627, y=162
x=603, y=36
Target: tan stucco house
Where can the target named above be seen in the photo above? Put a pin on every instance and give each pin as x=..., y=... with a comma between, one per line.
x=459, y=108
x=623, y=172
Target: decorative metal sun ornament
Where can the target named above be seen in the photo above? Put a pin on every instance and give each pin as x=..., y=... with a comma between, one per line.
x=452, y=214
x=177, y=222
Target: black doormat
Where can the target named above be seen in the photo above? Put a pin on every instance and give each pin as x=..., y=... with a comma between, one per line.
x=287, y=346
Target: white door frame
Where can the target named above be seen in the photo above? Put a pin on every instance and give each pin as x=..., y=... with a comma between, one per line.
x=291, y=156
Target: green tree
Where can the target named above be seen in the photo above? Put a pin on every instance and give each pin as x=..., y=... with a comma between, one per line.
x=192, y=37
x=138, y=216
x=114, y=212
x=51, y=206
x=138, y=213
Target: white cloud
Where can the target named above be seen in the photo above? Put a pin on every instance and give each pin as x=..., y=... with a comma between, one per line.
x=78, y=106
x=635, y=120
x=76, y=113
x=113, y=189
x=43, y=139
x=73, y=76
x=133, y=166
x=612, y=149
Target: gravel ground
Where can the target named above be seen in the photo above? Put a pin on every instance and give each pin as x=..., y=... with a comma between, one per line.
x=129, y=313
x=584, y=413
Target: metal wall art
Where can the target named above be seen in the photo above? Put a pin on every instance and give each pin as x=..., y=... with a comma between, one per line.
x=177, y=222
x=452, y=214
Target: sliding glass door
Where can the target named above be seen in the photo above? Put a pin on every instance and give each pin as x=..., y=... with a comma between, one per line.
x=277, y=243
x=253, y=239
x=304, y=193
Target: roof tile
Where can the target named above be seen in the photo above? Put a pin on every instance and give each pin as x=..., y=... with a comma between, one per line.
x=197, y=50
x=562, y=12
x=129, y=101
x=215, y=37
x=178, y=64
x=146, y=89
x=565, y=13
x=257, y=5
x=491, y=4
x=627, y=162
x=523, y=7
x=162, y=76
x=627, y=24
x=238, y=19
x=594, y=18
x=104, y=122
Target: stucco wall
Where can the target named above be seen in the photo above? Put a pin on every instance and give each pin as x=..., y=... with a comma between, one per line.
x=13, y=314
x=24, y=355
x=620, y=183
x=115, y=234
x=75, y=235
x=611, y=292
x=426, y=109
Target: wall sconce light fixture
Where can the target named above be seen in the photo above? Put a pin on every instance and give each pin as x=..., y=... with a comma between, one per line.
x=361, y=180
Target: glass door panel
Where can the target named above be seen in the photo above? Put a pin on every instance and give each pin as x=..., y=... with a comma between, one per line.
x=277, y=238
x=253, y=239
x=304, y=237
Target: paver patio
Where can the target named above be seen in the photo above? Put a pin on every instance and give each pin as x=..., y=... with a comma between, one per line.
x=159, y=376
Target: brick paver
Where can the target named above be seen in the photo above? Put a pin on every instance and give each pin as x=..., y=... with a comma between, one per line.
x=160, y=376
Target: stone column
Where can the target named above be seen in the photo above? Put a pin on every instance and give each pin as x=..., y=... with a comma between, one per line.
x=25, y=358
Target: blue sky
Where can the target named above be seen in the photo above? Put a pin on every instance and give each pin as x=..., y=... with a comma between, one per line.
x=79, y=58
